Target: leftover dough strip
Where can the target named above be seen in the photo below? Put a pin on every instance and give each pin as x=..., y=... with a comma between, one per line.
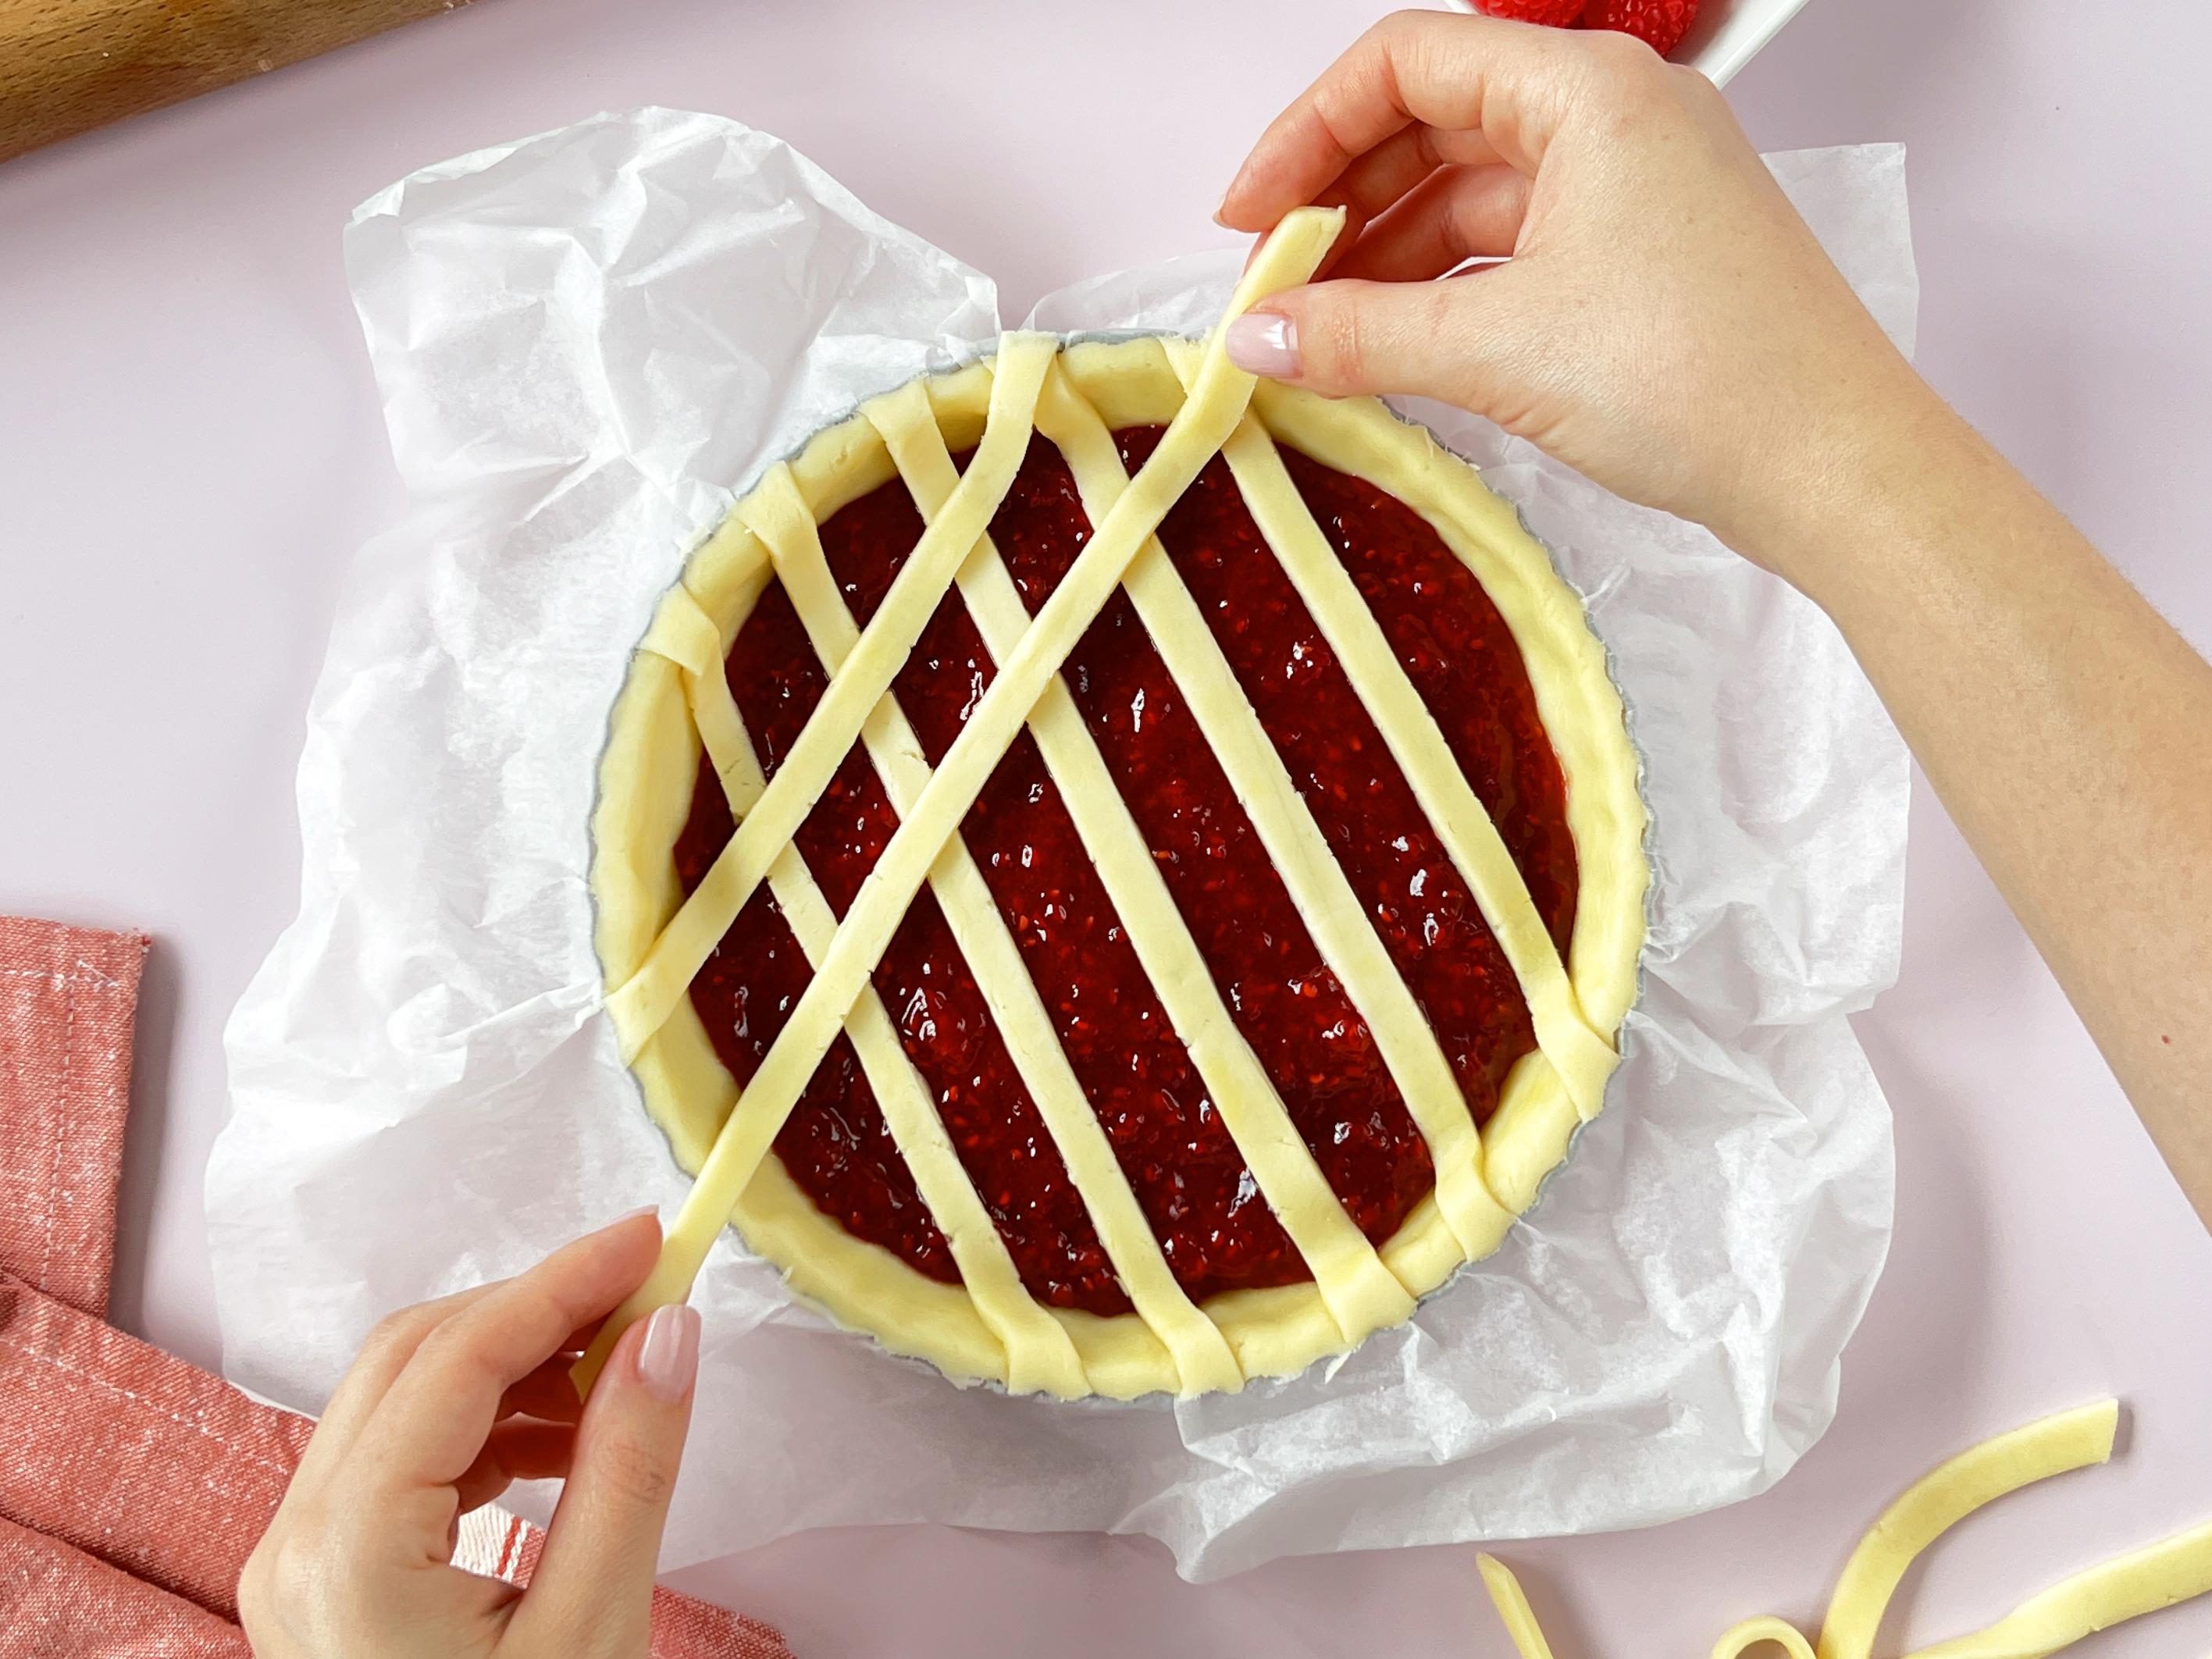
x=2126, y=1587
x=1583, y=1058
x=1513, y=1609
x=778, y=515
x=1217, y=402
x=2148, y=1580
x=1037, y=1347
x=1946, y=1495
x=1318, y=887
x=1566, y=663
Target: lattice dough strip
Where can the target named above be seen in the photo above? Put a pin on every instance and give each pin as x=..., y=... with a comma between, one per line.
x=1581, y=1057
x=778, y=515
x=1039, y=1354
x=1281, y=1165
x=640, y=1006
x=1318, y=887
x=1576, y=698
x=1218, y=400
x=683, y=632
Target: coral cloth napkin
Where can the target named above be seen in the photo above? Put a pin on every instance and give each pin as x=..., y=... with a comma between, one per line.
x=133, y=1486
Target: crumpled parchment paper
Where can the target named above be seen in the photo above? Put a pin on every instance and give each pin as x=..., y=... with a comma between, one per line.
x=588, y=343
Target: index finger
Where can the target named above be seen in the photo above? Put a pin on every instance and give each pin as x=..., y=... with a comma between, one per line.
x=435, y=1417
x=383, y=1357
x=1481, y=77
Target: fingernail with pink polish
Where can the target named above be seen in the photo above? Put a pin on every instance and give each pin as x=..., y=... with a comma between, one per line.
x=668, y=1359
x=1262, y=342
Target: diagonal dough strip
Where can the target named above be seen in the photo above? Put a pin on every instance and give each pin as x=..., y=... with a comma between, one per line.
x=1039, y=1356
x=1288, y=1177
x=1582, y=1056
x=1318, y=888
x=1218, y=401
x=643, y=1003
x=2145, y=1581
x=1202, y=1356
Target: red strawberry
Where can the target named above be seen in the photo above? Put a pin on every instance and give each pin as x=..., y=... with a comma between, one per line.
x=1659, y=23
x=1559, y=14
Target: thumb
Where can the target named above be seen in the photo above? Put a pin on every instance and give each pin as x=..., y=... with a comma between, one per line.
x=1437, y=339
x=593, y=1586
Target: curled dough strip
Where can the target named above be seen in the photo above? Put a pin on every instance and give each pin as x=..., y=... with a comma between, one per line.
x=1941, y=1498
x=2127, y=1586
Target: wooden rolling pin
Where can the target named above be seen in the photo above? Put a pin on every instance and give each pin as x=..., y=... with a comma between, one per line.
x=67, y=66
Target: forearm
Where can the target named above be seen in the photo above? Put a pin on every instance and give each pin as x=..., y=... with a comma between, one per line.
x=2065, y=725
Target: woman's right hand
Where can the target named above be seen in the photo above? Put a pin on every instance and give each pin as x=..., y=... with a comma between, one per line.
x=1666, y=323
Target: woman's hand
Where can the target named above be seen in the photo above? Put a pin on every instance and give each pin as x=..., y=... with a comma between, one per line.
x=450, y=1402
x=1666, y=323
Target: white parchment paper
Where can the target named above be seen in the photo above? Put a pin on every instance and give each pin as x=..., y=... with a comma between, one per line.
x=588, y=343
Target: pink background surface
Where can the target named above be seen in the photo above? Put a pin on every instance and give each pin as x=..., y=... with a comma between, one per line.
x=191, y=451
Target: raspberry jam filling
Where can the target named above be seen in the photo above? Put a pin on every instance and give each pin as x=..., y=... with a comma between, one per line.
x=1215, y=1228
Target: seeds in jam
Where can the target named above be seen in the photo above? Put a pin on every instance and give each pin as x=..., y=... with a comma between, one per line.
x=1216, y=1230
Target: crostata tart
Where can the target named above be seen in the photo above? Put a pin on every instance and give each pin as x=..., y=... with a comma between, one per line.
x=1116, y=877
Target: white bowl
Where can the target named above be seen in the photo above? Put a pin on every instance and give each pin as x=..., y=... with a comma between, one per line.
x=1728, y=34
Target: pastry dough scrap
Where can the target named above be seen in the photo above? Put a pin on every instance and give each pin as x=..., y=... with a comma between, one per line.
x=1513, y=1609
x=2143, y=1581
x=1941, y=1498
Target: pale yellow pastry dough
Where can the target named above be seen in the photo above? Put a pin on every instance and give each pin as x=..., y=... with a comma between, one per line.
x=1941, y=1498
x=652, y=939
x=2126, y=1587
x=1317, y=886
x=780, y=518
x=2143, y=1581
x=1512, y=1604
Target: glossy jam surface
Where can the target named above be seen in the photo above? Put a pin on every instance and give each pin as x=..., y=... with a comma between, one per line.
x=1215, y=1228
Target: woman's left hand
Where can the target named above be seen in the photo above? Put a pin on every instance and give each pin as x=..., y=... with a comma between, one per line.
x=448, y=1403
